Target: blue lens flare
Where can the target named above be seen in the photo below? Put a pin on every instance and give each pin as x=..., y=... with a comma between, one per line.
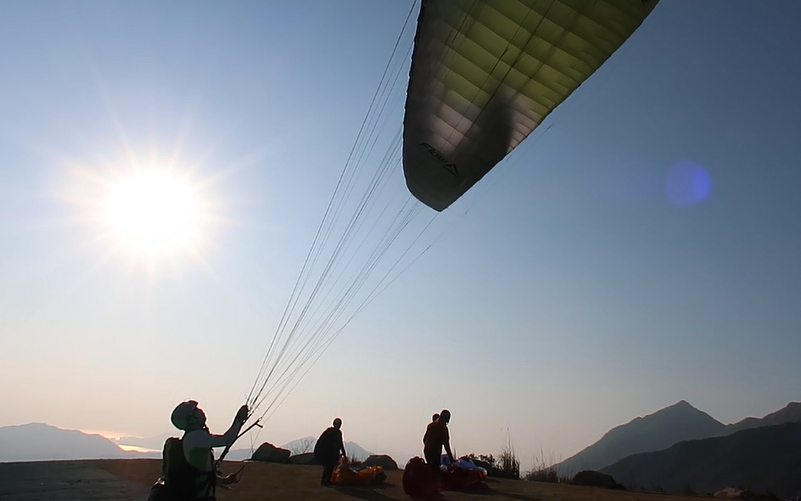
x=687, y=183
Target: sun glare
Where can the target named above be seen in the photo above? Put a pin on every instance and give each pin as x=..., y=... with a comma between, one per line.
x=154, y=213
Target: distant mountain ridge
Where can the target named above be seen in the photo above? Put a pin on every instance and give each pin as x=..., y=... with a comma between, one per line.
x=791, y=413
x=302, y=445
x=665, y=427
x=306, y=444
x=763, y=459
x=42, y=442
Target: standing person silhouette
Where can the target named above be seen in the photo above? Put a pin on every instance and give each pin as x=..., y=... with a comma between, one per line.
x=437, y=437
x=327, y=450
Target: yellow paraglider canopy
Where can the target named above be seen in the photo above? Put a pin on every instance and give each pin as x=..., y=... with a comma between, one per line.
x=485, y=73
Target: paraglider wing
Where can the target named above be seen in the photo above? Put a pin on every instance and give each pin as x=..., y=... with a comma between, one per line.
x=485, y=73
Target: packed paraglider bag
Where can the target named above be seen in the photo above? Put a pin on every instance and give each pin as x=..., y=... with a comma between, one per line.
x=345, y=475
x=419, y=480
x=422, y=481
x=180, y=481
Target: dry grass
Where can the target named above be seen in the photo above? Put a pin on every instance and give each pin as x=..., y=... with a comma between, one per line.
x=544, y=470
x=131, y=479
x=507, y=460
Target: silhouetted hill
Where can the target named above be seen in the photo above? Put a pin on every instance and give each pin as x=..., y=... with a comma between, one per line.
x=660, y=430
x=763, y=459
x=354, y=450
x=41, y=442
x=306, y=444
x=300, y=445
x=791, y=413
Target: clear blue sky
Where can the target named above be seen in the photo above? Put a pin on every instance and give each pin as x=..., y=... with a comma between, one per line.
x=582, y=283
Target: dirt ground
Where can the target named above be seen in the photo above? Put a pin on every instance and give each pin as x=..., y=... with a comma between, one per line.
x=130, y=479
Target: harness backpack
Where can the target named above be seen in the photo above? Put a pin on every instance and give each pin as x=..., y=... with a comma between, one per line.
x=181, y=481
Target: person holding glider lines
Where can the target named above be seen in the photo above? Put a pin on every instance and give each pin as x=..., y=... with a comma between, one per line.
x=327, y=450
x=190, y=472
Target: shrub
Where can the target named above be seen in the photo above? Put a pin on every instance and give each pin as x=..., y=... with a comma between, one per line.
x=506, y=465
x=544, y=475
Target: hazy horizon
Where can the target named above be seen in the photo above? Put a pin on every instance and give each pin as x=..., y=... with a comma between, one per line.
x=401, y=456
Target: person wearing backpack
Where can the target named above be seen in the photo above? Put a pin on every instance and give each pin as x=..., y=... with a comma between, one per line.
x=189, y=469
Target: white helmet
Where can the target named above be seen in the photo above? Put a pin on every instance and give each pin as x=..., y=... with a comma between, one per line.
x=185, y=415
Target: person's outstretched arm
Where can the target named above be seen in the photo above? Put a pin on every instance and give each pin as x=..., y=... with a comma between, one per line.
x=229, y=436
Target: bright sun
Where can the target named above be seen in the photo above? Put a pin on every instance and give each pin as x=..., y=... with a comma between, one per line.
x=154, y=213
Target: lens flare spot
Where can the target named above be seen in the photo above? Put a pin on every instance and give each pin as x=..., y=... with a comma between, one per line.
x=687, y=183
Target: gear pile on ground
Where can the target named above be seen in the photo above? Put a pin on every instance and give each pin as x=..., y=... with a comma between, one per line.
x=420, y=480
x=344, y=474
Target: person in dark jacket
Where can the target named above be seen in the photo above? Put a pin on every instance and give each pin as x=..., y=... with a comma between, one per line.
x=436, y=438
x=328, y=449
